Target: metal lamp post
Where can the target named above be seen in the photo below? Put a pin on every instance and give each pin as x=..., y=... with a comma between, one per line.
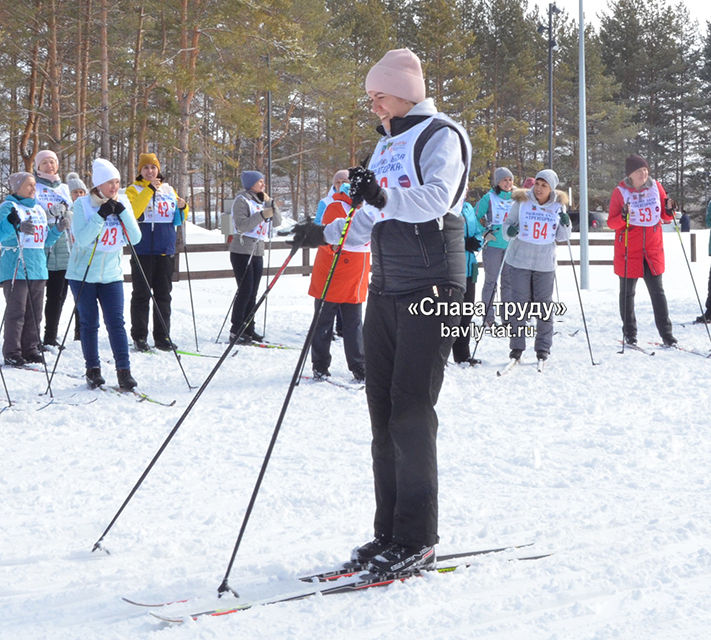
x=552, y=46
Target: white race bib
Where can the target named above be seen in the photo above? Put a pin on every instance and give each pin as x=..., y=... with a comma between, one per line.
x=645, y=206
x=537, y=224
x=262, y=229
x=162, y=206
x=39, y=218
x=499, y=208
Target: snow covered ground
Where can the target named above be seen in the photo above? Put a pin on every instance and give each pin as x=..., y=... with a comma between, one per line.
x=605, y=467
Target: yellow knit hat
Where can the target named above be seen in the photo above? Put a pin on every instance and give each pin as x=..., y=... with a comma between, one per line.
x=148, y=158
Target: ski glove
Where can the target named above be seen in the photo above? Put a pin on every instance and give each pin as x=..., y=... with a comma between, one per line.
x=13, y=218
x=110, y=207
x=512, y=231
x=365, y=187
x=307, y=234
x=671, y=206
x=27, y=227
x=489, y=235
x=472, y=244
x=63, y=224
x=564, y=219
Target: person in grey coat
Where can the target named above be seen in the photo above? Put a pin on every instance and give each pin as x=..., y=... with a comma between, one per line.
x=254, y=214
x=537, y=220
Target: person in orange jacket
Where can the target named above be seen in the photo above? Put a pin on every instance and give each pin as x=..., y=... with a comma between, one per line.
x=638, y=208
x=347, y=292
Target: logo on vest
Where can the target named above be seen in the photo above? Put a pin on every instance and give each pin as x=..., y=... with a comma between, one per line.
x=404, y=181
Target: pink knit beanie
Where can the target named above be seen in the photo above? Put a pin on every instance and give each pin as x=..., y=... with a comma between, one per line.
x=45, y=153
x=398, y=73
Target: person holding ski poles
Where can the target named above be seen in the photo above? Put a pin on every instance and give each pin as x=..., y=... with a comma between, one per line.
x=24, y=234
x=346, y=293
x=638, y=207
x=491, y=212
x=253, y=211
x=159, y=211
x=414, y=188
x=536, y=221
x=101, y=220
x=54, y=197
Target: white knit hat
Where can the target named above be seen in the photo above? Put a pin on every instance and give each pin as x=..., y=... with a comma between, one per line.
x=550, y=176
x=398, y=73
x=103, y=171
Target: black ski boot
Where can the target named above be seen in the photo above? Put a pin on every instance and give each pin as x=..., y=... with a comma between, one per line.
x=94, y=378
x=398, y=559
x=516, y=354
x=542, y=355
x=361, y=556
x=125, y=380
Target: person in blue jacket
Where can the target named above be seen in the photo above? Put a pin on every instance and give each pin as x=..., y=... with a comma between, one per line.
x=24, y=234
x=492, y=211
x=472, y=243
x=100, y=224
x=159, y=211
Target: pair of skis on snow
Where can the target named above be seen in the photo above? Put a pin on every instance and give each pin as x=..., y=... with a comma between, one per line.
x=342, y=580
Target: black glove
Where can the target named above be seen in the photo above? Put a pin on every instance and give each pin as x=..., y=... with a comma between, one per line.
x=472, y=244
x=365, y=187
x=671, y=206
x=14, y=218
x=512, y=231
x=110, y=207
x=260, y=196
x=307, y=234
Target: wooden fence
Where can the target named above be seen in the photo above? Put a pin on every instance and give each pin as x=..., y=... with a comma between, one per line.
x=304, y=268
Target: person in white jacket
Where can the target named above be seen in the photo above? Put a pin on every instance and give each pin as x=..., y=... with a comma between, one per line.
x=100, y=224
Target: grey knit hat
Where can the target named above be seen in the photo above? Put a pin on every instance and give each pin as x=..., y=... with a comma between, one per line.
x=550, y=176
x=74, y=182
x=16, y=180
x=500, y=174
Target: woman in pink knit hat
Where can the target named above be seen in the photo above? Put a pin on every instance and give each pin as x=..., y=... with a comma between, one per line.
x=414, y=189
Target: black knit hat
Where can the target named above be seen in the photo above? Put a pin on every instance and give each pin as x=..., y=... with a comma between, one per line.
x=634, y=162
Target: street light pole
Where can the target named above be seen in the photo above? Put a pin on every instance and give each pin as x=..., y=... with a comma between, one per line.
x=552, y=45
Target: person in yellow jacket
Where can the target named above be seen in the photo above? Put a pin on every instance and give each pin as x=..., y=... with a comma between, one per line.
x=159, y=211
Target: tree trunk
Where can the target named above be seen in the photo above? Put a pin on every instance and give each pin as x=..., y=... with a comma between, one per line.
x=132, y=153
x=55, y=127
x=105, y=140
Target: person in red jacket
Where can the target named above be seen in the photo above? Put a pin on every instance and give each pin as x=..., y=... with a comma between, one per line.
x=347, y=292
x=638, y=207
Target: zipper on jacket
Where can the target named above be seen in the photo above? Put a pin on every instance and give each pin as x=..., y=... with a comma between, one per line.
x=423, y=249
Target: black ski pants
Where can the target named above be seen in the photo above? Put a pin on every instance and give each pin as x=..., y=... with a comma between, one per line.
x=460, y=348
x=247, y=274
x=57, y=287
x=352, y=336
x=159, y=273
x=656, y=295
x=405, y=357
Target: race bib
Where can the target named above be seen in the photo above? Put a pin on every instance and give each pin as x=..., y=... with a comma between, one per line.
x=645, y=207
x=537, y=224
x=161, y=208
x=499, y=208
x=39, y=219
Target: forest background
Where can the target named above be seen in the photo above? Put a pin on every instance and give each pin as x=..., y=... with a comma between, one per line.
x=189, y=80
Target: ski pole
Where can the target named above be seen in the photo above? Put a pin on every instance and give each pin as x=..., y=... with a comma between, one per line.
x=693, y=282
x=190, y=287
x=76, y=303
x=626, y=211
x=269, y=260
x=580, y=300
x=224, y=586
x=35, y=322
x=196, y=397
x=155, y=303
x=2, y=375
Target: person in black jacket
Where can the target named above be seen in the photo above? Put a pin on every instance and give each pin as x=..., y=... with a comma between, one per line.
x=414, y=189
